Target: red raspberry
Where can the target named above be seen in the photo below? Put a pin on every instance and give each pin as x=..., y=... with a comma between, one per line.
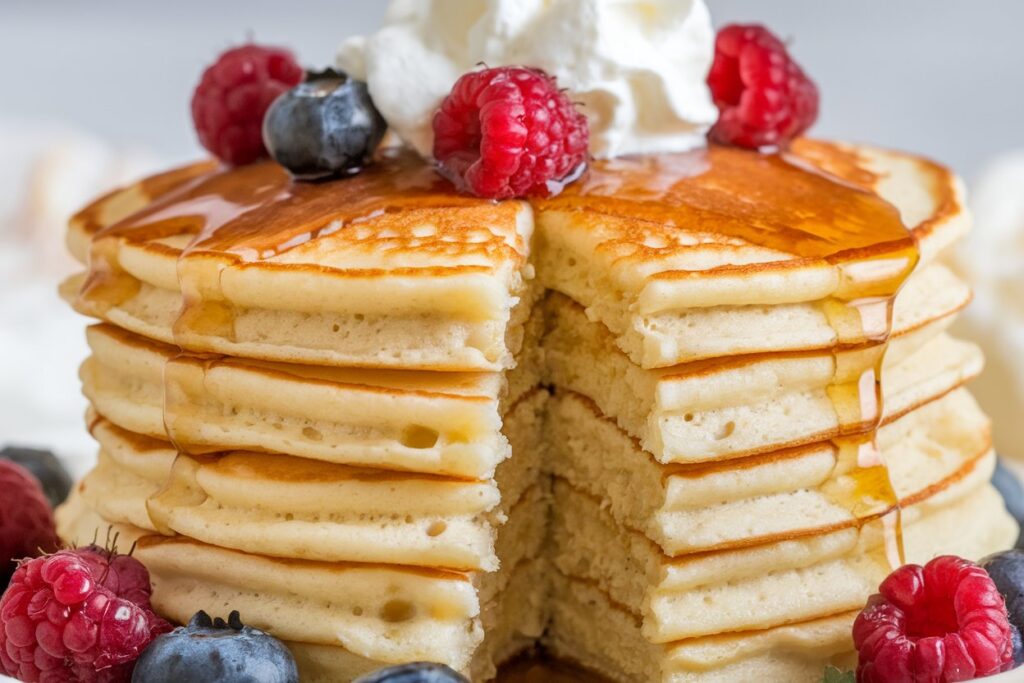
x=939, y=623
x=764, y=98
x=233, y=95
x=509, y=132
x=26, y=521
x=76, y=616
x=122, y=575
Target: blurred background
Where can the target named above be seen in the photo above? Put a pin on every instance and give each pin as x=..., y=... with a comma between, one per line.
x=96, y=93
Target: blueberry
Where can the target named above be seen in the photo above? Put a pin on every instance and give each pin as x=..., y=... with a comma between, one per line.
x=215, y=650
x=324, y=126
x=416, y=672
x=1018, y=646
x=45, y=467
x=1007, y=572
x=1007, y=483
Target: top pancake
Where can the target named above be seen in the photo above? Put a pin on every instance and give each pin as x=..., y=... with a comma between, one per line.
x=391, y=268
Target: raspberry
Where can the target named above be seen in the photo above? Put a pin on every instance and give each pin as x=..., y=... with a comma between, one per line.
x=764, y=98
x=233, y=95
x=26, y=521
x=509, y=132
x=942, y=622
x=77, y=615
x=122, y=575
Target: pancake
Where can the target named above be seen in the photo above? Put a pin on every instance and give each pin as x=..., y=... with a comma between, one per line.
x=512, y=624
x=424, y=278
x=129, y=470
x=756, y=586
x=306, y=509
x=79, y=524
x=683, y=263
x=412, y=276
x=590, y=626
x=687, y=509
x=432, y=422
x=354, y=616
x=728, y=408
x=670, y=422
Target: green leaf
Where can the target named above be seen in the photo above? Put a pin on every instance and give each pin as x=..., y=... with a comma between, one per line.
x=834, y=675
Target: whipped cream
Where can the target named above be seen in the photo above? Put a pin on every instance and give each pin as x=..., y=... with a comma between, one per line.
x=638, y=67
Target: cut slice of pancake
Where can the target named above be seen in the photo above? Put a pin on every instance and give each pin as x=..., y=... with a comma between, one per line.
x=347, y=618
x=349, y=410
x=293, y=507
x=757, y=586
x=337, y=274
x=688, y=509
x=732, y=407
x=597, y=624
x=439, y=423
x=672, y=290
x=512, y=623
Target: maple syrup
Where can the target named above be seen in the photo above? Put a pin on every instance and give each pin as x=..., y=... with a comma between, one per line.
x=780, y=202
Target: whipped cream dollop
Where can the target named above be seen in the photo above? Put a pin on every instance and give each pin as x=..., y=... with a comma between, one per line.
x=637, y=67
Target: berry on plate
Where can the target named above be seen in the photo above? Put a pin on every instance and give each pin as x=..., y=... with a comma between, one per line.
x=764, y=98
x=1007, y=572
x=325, y=126
x=26, y=521
x=45, y=467
x=233, y=95
x=415, y=672
x=939, y=623
x=216, y=650
x=81, y=616
x=509, y=132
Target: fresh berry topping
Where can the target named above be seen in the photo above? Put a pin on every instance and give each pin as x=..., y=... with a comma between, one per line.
x=233, y=95
x=73, y=616
x=216, y=650
x=325, y=126
x=509, y=132
x=1007, y=572
x=26, y=521
x=45, y=467
x=764, y=98
x=416, y=672
x=1018, y=646
x=942, y=622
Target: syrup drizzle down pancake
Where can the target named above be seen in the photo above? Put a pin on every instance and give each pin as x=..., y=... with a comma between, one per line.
x=314, y=378
x=783, y=203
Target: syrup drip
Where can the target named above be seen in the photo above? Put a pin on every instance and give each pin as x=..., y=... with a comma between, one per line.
x=785, y=203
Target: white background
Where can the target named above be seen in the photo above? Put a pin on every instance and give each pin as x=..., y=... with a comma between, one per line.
x=942, y=77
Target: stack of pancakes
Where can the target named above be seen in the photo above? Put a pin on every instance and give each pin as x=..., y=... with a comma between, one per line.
x=674, y=424
x=300, y=397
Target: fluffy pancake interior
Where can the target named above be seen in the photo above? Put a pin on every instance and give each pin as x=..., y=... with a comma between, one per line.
x=324, y=549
